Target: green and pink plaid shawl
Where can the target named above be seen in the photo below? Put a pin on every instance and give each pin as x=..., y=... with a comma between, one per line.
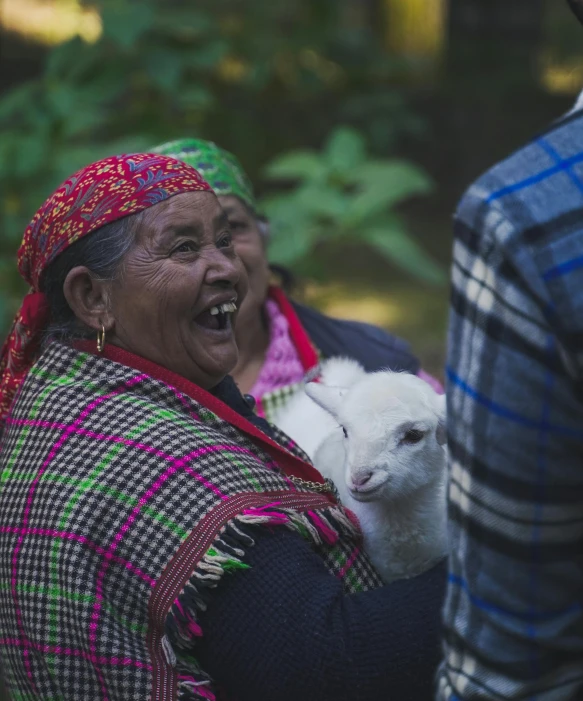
x=124, y=499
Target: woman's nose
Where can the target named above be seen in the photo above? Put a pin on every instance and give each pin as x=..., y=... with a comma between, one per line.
x=222, y=268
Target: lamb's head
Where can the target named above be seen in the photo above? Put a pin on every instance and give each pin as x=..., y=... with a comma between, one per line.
x=394, y=433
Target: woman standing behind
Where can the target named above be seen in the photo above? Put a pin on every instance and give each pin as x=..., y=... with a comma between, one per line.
x=279, y=340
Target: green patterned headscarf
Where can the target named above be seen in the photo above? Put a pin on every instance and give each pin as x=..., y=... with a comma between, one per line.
x=218, y=167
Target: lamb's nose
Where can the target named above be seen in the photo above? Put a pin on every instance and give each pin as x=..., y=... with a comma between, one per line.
x=361, y=479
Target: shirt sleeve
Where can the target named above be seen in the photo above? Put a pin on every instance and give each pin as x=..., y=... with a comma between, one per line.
x=284, y=629
x=513, y=614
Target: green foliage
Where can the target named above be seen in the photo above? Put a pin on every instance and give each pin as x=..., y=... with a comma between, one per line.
x=258, y=77
x=343, y=195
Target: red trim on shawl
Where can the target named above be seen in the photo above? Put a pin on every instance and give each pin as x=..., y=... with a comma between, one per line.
x=301, y=340
x=290, y=464
x=182, y=565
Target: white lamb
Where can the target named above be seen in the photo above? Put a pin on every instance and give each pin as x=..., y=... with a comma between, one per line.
x=380, y=438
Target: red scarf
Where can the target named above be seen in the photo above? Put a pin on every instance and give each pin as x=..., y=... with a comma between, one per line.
x=96, y=195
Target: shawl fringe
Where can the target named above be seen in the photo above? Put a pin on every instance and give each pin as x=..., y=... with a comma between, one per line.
x=226, y=555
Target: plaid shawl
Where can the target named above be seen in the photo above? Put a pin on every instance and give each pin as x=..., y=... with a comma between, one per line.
x=125, y=496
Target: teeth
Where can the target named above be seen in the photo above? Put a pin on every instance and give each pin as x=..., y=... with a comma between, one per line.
x=226, y=308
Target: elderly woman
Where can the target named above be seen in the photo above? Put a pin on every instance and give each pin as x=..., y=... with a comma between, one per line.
x=280, y=341
x=157, y=539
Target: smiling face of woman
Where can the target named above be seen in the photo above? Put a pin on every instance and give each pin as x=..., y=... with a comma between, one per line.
x=175, y=301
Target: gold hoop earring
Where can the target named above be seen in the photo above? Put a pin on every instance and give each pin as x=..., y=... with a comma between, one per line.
x=101, y=339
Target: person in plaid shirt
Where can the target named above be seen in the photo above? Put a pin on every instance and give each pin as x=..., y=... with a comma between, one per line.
x=513, y=614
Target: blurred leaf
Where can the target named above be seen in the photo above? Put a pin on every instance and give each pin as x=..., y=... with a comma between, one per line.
x=130, y=143
x=61, y=99
x=125, y=22
x=350, y=199
x=6, y=155
x=259, y=75
x=18, y=99
x=279, y=207
x=383, y=114
x=4, y=321
x=394, y=174
x=384, y=183
x=164, y=68
x=14, y=227
x=323, y=201
x=106, y=85
x=31, y=154
x=189, y=21
x=208, y=55
x=65, y=58
x=195, y=96
x=394, y=243
x=82, y=120
x=291, y=241
x=295, y=165
x=345, y=149
x=291, y=230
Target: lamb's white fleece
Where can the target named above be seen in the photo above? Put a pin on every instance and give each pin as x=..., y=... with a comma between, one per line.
x=380, y=438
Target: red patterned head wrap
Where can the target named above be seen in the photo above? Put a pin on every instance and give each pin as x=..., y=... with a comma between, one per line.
x=94, y=196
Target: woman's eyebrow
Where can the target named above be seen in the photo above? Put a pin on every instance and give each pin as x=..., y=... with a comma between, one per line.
x=183, y=230
x=222, y=219
x=230, y=211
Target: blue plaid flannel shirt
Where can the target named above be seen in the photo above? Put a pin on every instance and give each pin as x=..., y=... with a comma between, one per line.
x=513, y=613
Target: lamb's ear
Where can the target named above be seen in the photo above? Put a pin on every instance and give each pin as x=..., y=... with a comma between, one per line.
x=441, y=432
x=329, y=398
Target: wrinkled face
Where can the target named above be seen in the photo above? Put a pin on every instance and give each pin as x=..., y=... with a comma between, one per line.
x=181, y=284
x=250, y=247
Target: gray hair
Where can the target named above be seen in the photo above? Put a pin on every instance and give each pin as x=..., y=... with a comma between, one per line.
x=102, y=252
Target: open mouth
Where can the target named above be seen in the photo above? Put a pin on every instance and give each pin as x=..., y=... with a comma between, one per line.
x=217, y=318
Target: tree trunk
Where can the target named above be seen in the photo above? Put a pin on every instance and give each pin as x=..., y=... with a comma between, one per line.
x=496, y=37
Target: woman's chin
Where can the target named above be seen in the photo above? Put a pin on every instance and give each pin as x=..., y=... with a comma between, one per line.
x=212, y=354
x=221, y=359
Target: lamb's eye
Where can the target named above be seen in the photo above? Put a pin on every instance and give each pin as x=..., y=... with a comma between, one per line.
x=413, y=436
x=345, y=432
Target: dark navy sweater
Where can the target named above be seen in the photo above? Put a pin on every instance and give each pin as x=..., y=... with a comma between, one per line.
x=284, y=630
